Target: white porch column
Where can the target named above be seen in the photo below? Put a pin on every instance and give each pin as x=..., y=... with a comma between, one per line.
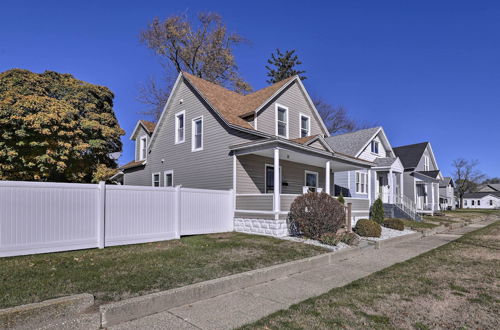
x=432, y=198
x=401, y=185
x=391, y=188
x=369, y=187
x=277, y=184
x=327, y=177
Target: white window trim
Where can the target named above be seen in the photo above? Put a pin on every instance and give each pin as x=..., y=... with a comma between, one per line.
x=265, y=176
x=306, y=172
x=165, y=178
x=427, y=165
x=177, y=140
x=300, y=124
x=276, y=106
x=363, y=183
x=141, y=145
x=153, y=179
x=378, y=147
x=193, y=134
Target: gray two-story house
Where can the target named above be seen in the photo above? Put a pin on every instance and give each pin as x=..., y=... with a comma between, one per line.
x=209, y=137
x=421, y=176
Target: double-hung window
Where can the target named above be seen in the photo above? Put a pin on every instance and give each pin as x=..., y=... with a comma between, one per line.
x=179, y=127
x=478, y=202
x=427, y=164
x=311, y=180
x=305, y=125
x=281, y=121
x=142, y=147
x=197, y=134
x=374, y=147
x=156, y=180
x=169, y=178
x=491, y=202
x=361, y=183
x=465, y=202
x=472, y=202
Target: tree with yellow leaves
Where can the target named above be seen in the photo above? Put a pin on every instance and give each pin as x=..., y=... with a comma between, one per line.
x=54, y=127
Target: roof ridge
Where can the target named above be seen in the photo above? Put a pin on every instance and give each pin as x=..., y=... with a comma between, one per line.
x=411, y=145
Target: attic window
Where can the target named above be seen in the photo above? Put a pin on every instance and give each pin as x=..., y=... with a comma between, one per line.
x=305, y=126
x=427, y=165
x=179, y=127
x=282, y=121
x=142, y=147
x=374, y=147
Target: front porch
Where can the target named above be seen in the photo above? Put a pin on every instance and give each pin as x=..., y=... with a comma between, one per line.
x=426, y=194
x=302, y=169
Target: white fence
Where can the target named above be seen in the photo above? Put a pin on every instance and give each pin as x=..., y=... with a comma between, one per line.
x=39, y=217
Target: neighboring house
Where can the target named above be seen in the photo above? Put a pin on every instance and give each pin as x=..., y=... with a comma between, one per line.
x=447, y=194
x=209, y=137
x=490, y=187
x=384, y=180
x=482, y=200
x=421, y=176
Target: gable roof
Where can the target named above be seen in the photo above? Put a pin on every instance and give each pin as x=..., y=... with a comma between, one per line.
x=482, y=194
x=492, y=186
x=133, y=164
x=384, y=161
x=432, y=174
x=446, y=181
x=148, y=126
x=352, y=143
x=230, y=105
x=411, y=154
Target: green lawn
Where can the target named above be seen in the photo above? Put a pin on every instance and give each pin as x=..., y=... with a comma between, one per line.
x=120, y=272
x=455, y=286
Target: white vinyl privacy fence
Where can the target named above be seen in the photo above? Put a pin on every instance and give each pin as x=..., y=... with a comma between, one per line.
x=39, y=217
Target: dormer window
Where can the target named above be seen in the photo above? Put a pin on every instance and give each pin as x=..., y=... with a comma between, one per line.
x=427, y=164
x=179, y=127
x=305, y=125
x=142, y=147
x=281, y=121
x=374, y=147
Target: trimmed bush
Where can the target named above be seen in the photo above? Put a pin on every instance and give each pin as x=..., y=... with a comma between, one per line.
x=368, y=228
x=315, y=214
x=341, y=199
x=349, y=238
x=377, y=211
x=330, y=239
x=394, y=223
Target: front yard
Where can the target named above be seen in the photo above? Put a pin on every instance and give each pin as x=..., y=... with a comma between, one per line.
x=121, y=272
x=454, y=286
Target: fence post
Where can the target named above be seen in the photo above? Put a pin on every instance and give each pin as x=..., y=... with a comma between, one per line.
x=349, y=217
x=178, y=211
x=232, y=203
x=101, y=215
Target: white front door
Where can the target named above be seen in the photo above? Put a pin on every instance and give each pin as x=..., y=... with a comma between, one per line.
x=383, y=188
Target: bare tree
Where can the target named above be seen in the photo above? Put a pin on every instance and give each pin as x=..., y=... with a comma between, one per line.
x=205, y=50
x=336, y=119
x=466, y=177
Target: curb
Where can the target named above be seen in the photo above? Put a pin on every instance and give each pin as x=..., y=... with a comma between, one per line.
x=397, y=239
x=137, y=307
x=48, y=311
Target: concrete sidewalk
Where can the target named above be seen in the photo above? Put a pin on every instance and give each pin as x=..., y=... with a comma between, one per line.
x=251, y=304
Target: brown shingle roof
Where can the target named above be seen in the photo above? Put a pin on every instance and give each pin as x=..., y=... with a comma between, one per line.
x=150, y=126
x=304, y=140
x=231, y=105
x=132, y=164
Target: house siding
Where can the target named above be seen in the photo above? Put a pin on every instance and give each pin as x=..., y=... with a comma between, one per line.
x=251, y=171
x=296, y=101
x=347, y=180
x=370, y=156
x=409, y=186
x=210, y=168
x=420, y=166
x=139, y=176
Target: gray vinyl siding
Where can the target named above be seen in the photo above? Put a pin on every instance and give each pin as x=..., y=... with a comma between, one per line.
x=409, y=186
x=255, y=203
x=251, y=171
x=347, y=180
x=139, y=176
x=296, y=101
x=140, y=133
x=367, y=153
x=420, y=166
x=210, y=168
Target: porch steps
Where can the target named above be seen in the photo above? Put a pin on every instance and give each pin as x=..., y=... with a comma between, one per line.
x=394, y=211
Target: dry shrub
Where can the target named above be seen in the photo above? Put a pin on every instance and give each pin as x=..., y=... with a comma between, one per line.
x=314, y=214
x=394, y=223
x=368, y=228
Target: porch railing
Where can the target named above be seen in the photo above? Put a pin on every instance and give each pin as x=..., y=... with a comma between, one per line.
x=406, y=204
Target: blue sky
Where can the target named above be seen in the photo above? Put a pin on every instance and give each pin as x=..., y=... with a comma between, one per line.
x=425, y=70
